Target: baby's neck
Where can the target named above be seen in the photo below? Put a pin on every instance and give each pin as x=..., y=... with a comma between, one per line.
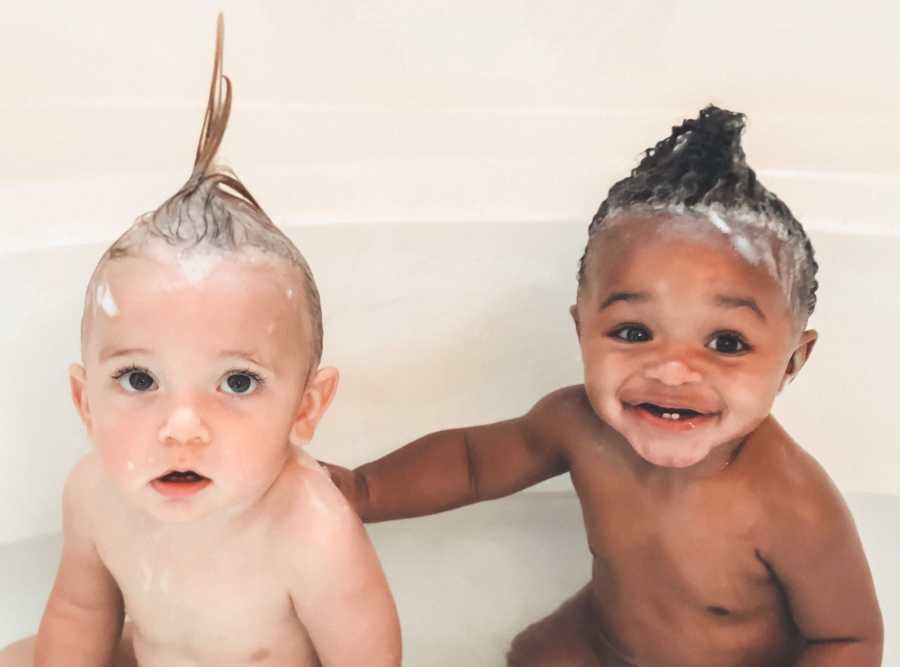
x=714, y=464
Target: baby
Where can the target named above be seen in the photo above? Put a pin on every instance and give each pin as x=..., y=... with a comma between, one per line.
x=716, y=540
x=197, y=513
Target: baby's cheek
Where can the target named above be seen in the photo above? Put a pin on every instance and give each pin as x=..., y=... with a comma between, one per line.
x=751, y=396
x=259, y=452
x=122, y=447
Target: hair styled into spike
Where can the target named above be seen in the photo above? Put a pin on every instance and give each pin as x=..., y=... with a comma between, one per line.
x=215, y=210
x=701, y=169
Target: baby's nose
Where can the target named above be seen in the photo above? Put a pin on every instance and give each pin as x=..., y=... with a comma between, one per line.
x=672, y=372
x=184, y=426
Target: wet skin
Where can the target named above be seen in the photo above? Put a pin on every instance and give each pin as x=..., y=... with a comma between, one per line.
x=197, y=512
x=717, y=541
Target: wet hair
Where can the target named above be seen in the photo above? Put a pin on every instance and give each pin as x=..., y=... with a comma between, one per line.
x=701, y=169
x=215, y=210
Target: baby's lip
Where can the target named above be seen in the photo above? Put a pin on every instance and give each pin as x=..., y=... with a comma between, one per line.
x=672, y=405
x=181, y=475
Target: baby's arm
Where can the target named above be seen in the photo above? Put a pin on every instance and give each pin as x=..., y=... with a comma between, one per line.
x=818, y=559
x=448, y=469
x=337, y=586
x=83, y=618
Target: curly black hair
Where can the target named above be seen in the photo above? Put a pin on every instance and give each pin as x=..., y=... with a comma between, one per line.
x=702, y=166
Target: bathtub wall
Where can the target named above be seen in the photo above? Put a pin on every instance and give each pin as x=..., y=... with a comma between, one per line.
x=438, y=165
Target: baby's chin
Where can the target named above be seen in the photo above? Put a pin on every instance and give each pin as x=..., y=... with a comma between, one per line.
x=670, y=455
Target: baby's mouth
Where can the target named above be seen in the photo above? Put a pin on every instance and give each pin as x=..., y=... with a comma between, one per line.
x=177, y=484
x=182, y=477
x=669, y=418
x=674, y=414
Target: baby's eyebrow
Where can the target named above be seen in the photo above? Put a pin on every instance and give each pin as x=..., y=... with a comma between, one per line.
x=627, y=297
x=247, y=355
x=727, y=301
x=112, y=353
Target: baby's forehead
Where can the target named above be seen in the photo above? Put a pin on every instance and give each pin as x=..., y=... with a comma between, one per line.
x=165, y=283
x=716, y=248
x=630, y=232
x=161, y=268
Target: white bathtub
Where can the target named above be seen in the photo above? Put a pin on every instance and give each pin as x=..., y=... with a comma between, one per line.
x=438, y=164
x=436, y=325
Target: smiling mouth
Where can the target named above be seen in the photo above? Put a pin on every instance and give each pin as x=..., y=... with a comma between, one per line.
x=674, y=414
x=669, y=418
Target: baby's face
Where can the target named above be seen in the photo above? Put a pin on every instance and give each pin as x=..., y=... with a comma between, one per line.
x=194, y=380
x=685, y=344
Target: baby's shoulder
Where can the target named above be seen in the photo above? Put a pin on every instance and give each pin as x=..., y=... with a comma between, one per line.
x=305, y=502
x=567, y=420
x=787, y=479
x=567, y=410
x=84, y=482
x=804, y=511
x=83, y=495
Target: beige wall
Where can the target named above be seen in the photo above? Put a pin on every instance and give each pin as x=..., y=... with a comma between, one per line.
x=438, y=163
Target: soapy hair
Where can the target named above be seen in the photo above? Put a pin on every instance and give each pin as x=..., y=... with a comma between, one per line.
x=214, y=209
x=701, y=169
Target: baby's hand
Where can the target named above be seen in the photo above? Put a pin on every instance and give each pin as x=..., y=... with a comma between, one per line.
x=346, y=482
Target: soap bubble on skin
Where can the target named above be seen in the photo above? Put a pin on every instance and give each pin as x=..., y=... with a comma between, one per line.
x=196, y=266
x=104, y=299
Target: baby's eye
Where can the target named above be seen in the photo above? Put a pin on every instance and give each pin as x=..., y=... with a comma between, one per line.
x=241, y=382
x=135, y=380
x=631, y=333
x=728, y=343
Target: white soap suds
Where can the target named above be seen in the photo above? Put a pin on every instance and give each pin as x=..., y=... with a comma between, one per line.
x=745, y=249
x=720, y=224
x=104, y=299
x=757, y=238
x=195, y=266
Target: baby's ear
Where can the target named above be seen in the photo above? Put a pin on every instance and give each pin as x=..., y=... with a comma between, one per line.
x=315, y=402
x=800, y=355
x=78, y=386
x=573, y=311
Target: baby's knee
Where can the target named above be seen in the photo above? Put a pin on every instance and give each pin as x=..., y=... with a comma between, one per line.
x=18, y=654
x=533, y=647
x=523, y=646
x=543, y=645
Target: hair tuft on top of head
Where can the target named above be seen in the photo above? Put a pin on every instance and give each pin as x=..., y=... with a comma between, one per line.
x=214, y=209
x=700, y=167
x=194, y=213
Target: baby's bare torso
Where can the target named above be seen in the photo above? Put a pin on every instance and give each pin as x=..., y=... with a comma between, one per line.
x=206, y=594
x=678, y=578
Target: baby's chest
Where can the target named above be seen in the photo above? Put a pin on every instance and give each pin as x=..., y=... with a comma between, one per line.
x=699, y=557
x=193, y=600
